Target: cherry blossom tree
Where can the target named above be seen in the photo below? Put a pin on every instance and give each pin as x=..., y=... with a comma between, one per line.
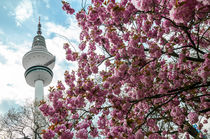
x=154, y=70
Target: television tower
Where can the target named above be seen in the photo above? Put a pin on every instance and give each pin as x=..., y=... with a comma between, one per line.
x=38, y=63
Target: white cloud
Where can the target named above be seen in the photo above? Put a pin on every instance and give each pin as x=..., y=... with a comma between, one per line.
x=12, y=83
x=72, y=32
x=23, y=11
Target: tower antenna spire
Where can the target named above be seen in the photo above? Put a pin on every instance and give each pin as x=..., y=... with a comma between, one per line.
x=39, y=32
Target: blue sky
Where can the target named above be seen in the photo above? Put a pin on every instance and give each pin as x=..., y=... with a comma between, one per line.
x=18, y=26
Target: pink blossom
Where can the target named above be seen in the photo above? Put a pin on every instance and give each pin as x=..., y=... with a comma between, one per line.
x=139, y=134
x=93, y=16
x=151, y=122
x=75, y=116
x=65, y=45
x=67, y=135
x=143, y=4
x=66, y=7
x=205, y=2
x=205, y=121
x=82, y=134
x=92, y=46
x=95, y=69
x=193, y=117
x=183, y=13
x=101, y=122
x=44, y=109
x=49, y=134
x=154, y=136
x=82, y=46
x=94, y=132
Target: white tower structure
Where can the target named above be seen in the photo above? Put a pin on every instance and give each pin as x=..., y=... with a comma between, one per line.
x=38, y=63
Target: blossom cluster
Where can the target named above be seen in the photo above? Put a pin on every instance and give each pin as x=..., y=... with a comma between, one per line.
x=66, y=7
x=193, y=117
x=151, y=79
